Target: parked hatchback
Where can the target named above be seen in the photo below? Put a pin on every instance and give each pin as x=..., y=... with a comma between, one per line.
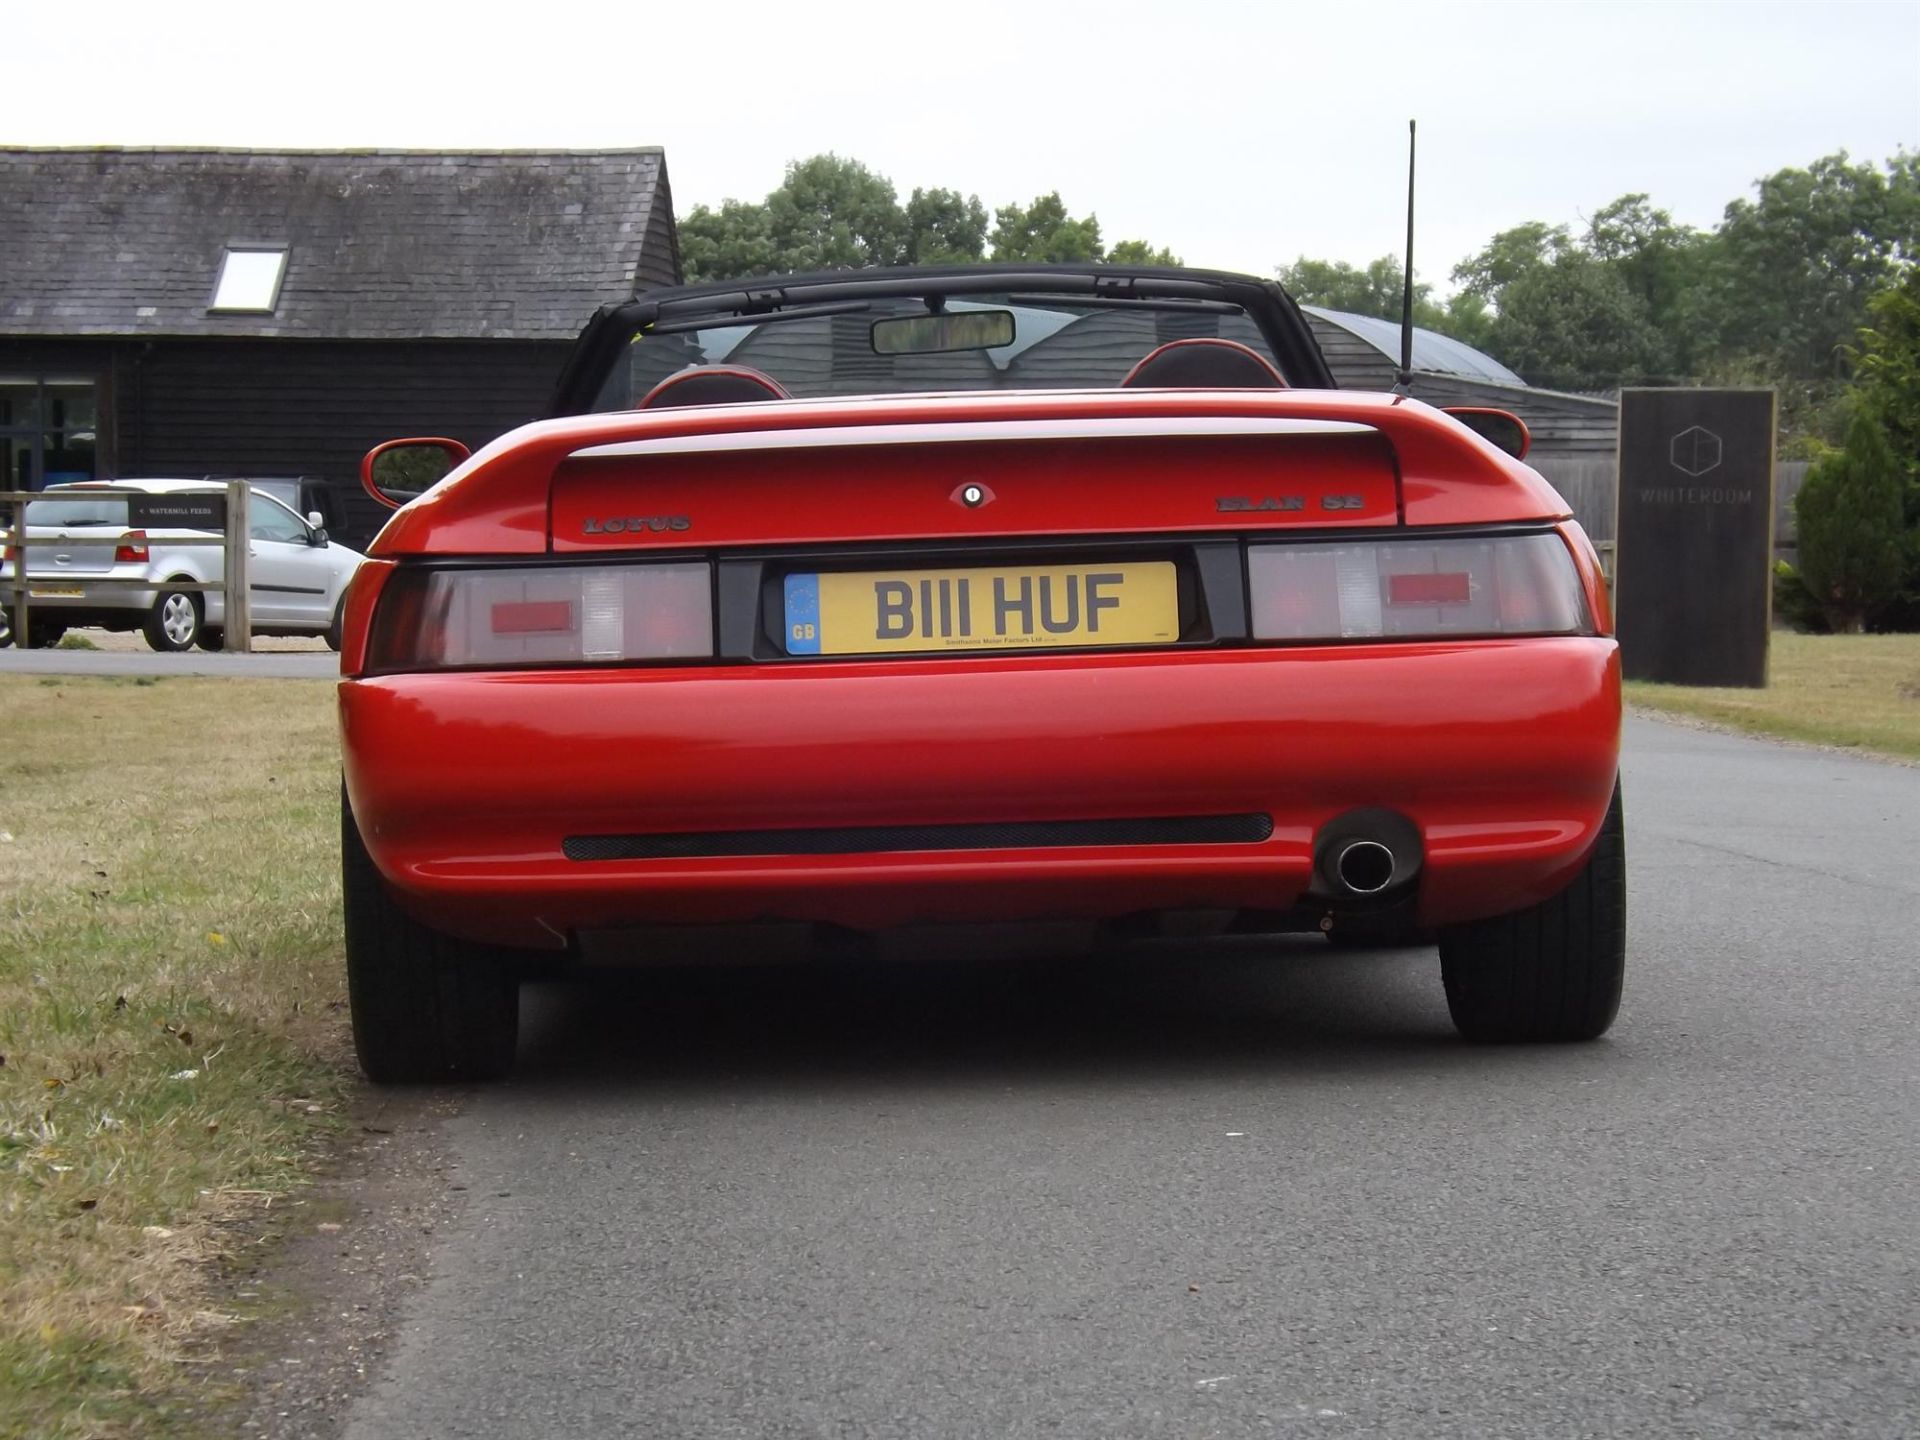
x=296, y=575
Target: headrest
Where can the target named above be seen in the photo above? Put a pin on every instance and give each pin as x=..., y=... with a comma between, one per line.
x=712, y=385
x=1203, y=364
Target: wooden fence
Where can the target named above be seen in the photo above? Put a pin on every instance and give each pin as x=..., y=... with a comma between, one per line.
x=18, y=587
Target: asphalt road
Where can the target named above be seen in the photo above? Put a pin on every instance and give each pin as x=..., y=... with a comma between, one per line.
x=280, y=665
x=1250, y=1188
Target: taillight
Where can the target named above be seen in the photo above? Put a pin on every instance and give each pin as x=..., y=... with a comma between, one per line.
x=132, y=548
x=542, y=615
x=1405, y=587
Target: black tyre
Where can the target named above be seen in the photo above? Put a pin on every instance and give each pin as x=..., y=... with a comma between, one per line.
x=335, y=630
x=174, y=622
x=211, y=637
x=426, y=1007
x=43, y=636
x=1554, y=970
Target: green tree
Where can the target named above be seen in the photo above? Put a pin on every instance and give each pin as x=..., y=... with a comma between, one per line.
x=835, y=214
x=1794, y=268
x=1574, y=313
x=1044, y=231
x=1139, y=252
x=944, y=227
x=732, y=240
x=1375, y=290
x=1849, y=517
x=1511, y=254
x=1887, y=384
x=1576, y=324
x=1659, y=261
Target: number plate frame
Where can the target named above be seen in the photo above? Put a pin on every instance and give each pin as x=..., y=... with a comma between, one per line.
x=977, y=609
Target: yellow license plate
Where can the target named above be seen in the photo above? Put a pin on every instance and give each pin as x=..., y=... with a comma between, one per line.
x=1019, y=607
x=56, y=592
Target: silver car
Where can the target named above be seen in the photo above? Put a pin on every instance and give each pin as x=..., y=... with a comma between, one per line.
x=296, y=576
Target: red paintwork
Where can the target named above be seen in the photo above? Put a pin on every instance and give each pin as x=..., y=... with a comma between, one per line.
x=465, y=785
x=1502, y=752
x=496, y=502
x=899, y=492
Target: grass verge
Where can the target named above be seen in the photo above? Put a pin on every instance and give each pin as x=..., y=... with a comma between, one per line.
x=1852, y=690
x=172, y=1014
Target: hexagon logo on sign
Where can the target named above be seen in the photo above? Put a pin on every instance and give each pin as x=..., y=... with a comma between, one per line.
x=1695, y=450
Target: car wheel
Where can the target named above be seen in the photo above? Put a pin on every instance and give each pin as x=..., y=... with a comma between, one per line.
x=335, y=630
x=174, y=621
x=42, y=636
x=211, y=637
x=1554, y=970
x=6, y=622
x=426, y=1007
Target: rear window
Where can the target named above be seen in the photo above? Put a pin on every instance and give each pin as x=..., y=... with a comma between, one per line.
x=108, y=510
x=1055, y=346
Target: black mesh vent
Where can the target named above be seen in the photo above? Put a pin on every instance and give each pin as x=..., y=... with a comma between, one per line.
x=865, y=839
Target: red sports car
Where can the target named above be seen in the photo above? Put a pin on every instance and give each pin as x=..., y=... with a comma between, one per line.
x=832, y=607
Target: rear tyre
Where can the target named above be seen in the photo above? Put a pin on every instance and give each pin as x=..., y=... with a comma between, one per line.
x=174, y=622
x=335, y=630
x=427, y=1007
x=42, y=636
x=1553, y=971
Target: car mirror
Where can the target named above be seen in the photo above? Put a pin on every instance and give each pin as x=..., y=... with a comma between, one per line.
x=1501, y=429
x=316, y=520
x=317, y=537
x=943, y=333
x=402, y=470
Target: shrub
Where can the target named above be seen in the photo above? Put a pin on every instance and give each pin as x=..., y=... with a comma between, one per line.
x=1793, y=603
x=1852, y=540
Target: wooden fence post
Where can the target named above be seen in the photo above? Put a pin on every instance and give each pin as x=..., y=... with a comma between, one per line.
x=238, y=635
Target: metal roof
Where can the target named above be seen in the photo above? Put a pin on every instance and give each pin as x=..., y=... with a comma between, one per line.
x=1432, y=352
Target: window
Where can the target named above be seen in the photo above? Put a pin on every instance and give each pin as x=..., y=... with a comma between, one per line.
x=270, y=520
x=109, y=511
x=250, y=278
x=48, y=430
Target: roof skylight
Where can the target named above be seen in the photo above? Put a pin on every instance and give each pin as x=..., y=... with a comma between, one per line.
x=250, y=278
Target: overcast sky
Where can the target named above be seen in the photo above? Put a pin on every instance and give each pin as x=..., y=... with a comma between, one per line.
x=1239, y=135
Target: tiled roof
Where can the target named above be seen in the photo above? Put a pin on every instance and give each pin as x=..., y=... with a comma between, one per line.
x=382, y=244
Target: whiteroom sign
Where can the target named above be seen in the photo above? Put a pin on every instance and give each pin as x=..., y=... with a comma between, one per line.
x=1693, y=591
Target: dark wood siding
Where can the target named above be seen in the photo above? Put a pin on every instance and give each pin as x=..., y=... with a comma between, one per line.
x=315, y=407
x=186, y=408
x=1355, y=364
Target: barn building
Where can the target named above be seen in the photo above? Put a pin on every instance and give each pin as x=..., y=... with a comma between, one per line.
x=1364, y=354
x=249, y=312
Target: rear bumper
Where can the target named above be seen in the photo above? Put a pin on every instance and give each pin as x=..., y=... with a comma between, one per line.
x=466, y=786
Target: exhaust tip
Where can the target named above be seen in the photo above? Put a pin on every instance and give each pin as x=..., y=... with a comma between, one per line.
x=1365, y=867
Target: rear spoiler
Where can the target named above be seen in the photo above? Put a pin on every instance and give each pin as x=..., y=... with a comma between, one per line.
x=496, y=502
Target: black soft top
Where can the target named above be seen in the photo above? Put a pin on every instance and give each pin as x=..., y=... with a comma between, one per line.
x=736, y=302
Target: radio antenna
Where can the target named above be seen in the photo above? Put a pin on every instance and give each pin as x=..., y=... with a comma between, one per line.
x=1403, y=385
